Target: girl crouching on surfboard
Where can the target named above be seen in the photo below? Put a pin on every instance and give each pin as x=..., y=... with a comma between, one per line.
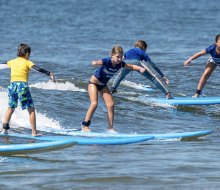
x=212, y=63
x=98, y=83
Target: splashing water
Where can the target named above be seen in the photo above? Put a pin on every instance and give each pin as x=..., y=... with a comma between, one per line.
x=66, y=86
x=137, y=86
x=20, y=117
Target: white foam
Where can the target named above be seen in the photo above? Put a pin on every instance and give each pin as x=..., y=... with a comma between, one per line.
x=145, y=100
x=20, y=118
x=3, y=66
x=66, y=86
x=137, y=86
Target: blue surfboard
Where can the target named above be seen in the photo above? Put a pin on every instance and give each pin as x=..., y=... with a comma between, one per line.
x=172, y=135
x=88, y=140
x=9, y=149
x=186, y=101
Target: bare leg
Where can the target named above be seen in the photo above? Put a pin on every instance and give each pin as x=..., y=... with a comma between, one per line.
x=107, y=97
x=210, y=67
x=32, y=118
x=7, y=118
x=93, y=94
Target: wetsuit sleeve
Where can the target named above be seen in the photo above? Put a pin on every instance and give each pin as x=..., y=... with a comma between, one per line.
x=156, y=67
x=35, y=67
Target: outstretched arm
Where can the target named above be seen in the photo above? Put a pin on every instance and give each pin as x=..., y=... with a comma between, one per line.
x=196, y=55
x=134, y=68
x=164, y=79
x=35, y=67
x=156, y=68
x=97, y=63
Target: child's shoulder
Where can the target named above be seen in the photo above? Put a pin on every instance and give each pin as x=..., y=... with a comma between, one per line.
x=210, y=48
x=106, y=59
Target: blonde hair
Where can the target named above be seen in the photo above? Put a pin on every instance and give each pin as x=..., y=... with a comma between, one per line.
x=117, y=50
x=141, y=44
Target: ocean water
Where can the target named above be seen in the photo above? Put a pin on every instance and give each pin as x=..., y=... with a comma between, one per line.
x=65, y=36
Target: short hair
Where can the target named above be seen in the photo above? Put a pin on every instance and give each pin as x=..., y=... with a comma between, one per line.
x=117, y=49
x=217, y=37
x=141, y=44
x=23, y=49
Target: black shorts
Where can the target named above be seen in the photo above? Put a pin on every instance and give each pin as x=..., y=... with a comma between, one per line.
x=99, y=86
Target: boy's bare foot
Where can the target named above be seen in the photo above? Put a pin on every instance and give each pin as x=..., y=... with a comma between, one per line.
x=5, y=131
x=36, y=134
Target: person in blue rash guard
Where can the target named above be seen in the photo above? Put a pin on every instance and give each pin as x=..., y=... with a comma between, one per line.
x=138, y=56
x=98, y=83
x=212, y=63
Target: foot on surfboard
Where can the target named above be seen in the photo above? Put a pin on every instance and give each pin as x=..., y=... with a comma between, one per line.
x=169, y=96
x=113, y=131
x=86, y=129
x=195, y=96
x=5, y=131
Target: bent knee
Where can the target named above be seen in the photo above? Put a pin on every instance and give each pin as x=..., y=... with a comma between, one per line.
x=94, y=105
x=110, y=105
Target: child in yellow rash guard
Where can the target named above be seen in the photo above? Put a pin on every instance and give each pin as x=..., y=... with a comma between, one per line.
x=18, y=88
x=19, y=69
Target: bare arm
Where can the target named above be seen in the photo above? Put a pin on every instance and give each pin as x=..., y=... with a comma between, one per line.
x=156, y=68
x=97, y=63
x=195, y=56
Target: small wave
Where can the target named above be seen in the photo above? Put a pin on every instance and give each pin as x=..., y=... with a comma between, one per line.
x=66, y=86
x=147, y=101
x=137, y=86
x=3, y=66
x=20, y=117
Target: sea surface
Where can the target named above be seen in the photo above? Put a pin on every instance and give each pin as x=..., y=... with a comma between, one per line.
x=65, y=36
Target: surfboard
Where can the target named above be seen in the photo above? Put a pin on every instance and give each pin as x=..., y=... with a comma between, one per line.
x=186, y=101
x=88, y=140
x=11, y=149
x=171, y=135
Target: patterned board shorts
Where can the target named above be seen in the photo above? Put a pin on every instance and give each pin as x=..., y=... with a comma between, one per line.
x=19, y=90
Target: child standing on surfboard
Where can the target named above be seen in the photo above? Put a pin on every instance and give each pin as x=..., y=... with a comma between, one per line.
x=98, y=83
x=212, y=63
x=138, y=56
x=18, y=88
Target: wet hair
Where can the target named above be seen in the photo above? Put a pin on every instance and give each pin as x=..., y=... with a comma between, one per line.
x=141, y=44
x=117, y=50
x=23, y=49
x=217, y=37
